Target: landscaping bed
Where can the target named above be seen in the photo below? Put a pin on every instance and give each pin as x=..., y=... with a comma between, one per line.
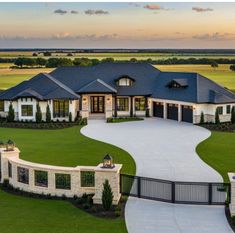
x=42, y=125
x=123, y=119
x=224, y=127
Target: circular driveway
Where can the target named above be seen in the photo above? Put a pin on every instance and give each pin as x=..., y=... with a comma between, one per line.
x=164, y=149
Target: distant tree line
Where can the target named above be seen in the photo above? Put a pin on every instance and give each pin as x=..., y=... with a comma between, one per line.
x=24, y=62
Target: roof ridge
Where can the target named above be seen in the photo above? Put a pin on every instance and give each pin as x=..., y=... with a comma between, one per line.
x=60, y=84
x=106, y=84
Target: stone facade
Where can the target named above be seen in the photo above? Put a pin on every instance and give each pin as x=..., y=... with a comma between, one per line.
x=101, y=174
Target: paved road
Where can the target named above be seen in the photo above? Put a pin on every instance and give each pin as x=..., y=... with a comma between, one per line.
x=164, y=149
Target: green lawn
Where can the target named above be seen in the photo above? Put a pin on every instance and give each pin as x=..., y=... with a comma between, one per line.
x=65, y=147
x=219, y=152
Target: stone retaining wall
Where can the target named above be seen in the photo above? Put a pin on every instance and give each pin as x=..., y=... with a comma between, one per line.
x=11, y=158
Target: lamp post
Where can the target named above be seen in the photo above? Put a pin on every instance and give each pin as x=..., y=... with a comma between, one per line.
x=108, y=161
x=10, y=146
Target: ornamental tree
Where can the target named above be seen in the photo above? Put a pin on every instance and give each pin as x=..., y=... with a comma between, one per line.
x=11, y=114
x=107, y=196
x=48, y=114
x=38, y=114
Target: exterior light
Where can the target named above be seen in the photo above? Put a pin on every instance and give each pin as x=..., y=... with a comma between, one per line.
x=108, y=161
x=84, y=99
x=10, y=146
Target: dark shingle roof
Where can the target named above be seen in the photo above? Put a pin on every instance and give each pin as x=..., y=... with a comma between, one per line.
x=97, y=86
x=65, y=82
x=42, y=86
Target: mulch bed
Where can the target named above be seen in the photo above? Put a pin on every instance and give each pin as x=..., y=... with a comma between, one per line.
x=223, y=127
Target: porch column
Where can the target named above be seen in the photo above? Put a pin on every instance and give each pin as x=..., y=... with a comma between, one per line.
x=131, y=110
x=146, y=107
x=115, y=106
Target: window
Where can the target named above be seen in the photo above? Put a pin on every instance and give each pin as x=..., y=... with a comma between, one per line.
x=23, y=175
x=27, y=110
x=62, y=181
x=1, y=105
x=9, y=169
x=228, y=109
x=220, y=110
x=122, y=104
x=60, y=108
x=87, y=179
x=41, y=178
x=125, y=82
x=139, y=104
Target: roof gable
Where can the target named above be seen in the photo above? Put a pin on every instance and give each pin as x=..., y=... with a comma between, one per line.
x=97, y=86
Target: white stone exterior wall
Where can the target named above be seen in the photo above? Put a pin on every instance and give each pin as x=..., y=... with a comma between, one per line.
x=232, y=203
x=73, y=108
x=101, y=174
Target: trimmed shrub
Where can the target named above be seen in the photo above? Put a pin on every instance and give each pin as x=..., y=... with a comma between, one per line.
x=107, y=196
x=147, y=112
x=217, y=120
x=70, y=117
x=38, y=114
x=233, y=115
x=11, y=114
x=202, y=121
x=48, y=114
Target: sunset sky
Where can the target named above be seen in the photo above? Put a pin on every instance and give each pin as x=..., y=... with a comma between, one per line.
x=117, y=25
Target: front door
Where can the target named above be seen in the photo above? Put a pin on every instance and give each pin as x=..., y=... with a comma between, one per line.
x=97, y=104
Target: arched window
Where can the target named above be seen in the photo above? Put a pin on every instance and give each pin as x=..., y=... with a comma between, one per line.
x=124, y=81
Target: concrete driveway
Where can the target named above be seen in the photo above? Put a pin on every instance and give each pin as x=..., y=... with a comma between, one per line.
x=164, y=149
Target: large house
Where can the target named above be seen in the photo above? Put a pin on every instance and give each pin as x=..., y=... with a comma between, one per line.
x=119, y=89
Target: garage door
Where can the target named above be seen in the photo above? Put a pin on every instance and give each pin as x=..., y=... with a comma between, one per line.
x=187, y=113
x=172, y=111
x=158, y=109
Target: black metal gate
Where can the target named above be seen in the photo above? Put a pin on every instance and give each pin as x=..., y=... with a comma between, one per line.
x=175, y=192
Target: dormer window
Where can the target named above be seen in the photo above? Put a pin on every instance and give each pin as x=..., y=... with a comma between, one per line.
x=124, y=81
x=178, y=83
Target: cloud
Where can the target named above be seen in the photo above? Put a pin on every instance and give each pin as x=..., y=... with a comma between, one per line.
x=74, y=12
x=215, y=36
x=200, y=9
x=60, y=12
x=96, y=12
x=153, y=7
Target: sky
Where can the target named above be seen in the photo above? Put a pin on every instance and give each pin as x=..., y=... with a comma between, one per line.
x=117, y=25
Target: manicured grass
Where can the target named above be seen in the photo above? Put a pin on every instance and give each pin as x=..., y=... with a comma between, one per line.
x=64, y=147
x=219, y=152
x=27, y=215
x=222, y=75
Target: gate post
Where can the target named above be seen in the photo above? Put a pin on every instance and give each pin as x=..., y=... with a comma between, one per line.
x=139, y=186
x=173, y=192
x=209, y=193
x=232, y=193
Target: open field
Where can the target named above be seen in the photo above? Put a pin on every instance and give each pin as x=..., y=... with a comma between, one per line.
x=65, y=147
x=218, y=152
x=222, y=75
x=11, y=77
x=121, y=56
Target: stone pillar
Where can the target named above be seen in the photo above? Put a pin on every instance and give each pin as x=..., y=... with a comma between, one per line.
x=232, y=202
x=4, y=155
x=113, y=176
x=85, y=106
x=108, y=106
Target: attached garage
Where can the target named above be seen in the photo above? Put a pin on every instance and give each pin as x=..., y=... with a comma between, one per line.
x=187, y=113
x=172, y=111
x=158, y=109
